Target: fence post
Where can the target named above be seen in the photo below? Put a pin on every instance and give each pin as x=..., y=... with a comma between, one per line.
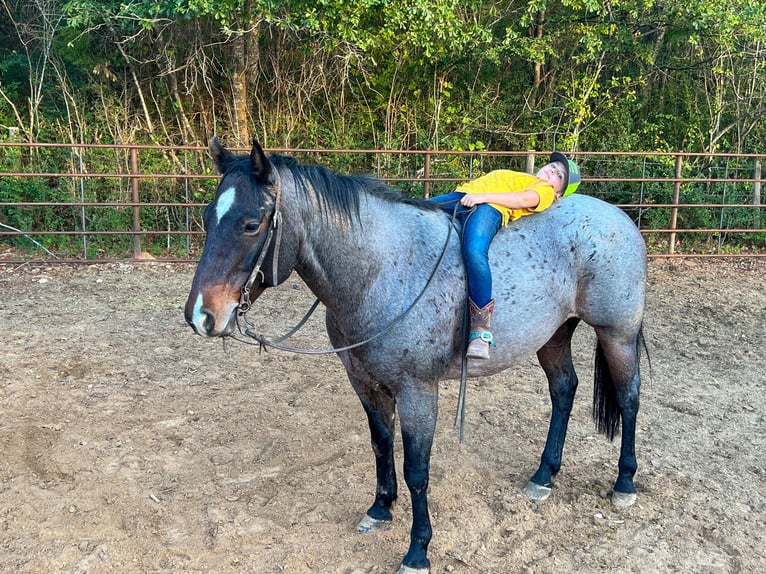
x=530, y=167
x=674, y=210
x=83, y=221
x=427, y=176
x=187, y=222
x=757, y=194
x=136, y=209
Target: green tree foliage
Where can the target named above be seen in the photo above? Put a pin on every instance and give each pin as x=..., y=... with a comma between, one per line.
x=441, y=74
x=577, y=75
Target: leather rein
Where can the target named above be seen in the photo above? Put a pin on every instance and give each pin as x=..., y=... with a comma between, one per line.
x=274, y=234
x=245, y=304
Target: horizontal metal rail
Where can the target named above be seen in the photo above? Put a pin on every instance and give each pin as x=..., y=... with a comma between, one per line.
x=86, y=210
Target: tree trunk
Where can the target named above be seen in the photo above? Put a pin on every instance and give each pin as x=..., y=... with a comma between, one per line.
x=244, y=59
x=538, y=33
x=239, y=91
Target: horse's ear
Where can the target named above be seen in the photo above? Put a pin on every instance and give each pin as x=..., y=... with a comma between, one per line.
x=221, y=156
x=260, y=166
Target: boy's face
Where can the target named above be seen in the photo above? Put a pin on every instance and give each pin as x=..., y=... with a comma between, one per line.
x=555, y=174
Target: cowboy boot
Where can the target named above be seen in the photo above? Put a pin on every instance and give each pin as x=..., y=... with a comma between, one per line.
x=481, y=337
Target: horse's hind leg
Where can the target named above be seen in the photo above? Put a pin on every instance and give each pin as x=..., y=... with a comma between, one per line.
x=381, y=418
x=616, y=399
x=556, y=360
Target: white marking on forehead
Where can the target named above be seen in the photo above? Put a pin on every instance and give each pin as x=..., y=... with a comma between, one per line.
x=224, y=203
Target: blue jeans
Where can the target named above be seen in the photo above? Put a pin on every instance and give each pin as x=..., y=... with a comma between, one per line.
x=480, y=225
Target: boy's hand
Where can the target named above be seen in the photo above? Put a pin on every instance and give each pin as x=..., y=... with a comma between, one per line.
x=472, y=199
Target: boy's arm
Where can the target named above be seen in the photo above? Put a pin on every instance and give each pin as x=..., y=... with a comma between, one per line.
x=524, y=199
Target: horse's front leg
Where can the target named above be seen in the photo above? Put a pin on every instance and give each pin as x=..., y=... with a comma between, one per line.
x=417, y=405
x=381, y=418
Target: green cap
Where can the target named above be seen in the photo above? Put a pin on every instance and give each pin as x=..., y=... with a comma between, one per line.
x=572, y=172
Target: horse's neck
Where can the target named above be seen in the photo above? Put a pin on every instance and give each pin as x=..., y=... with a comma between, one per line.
x=336, y=259
x=342, y=260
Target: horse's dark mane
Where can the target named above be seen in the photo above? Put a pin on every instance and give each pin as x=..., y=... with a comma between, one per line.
x=340, y=195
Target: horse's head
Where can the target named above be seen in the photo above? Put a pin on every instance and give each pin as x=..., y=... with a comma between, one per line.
x=238, y=223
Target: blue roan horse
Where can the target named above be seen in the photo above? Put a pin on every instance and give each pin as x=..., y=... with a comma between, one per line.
x=367, y=253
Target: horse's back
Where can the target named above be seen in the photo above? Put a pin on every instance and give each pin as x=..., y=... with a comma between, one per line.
x=611, y=254
x=580, y=258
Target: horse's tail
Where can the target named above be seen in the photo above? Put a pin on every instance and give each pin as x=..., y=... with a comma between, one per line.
x=606, y=411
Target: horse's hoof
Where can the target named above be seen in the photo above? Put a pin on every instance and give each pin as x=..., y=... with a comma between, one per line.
x=537, y=492
x=407, y=570
x=623, y=500
x=370, y=524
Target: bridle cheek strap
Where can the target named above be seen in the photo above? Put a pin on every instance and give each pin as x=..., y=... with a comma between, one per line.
x=275, y=228
x=257, y=273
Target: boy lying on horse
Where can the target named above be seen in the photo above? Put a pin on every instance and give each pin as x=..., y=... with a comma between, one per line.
x=493, y=200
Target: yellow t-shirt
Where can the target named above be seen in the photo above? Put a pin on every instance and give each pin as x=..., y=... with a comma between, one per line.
x=507, y=181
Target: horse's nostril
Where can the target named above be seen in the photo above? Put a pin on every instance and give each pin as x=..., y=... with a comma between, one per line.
x=198, y=317
x=208, y=321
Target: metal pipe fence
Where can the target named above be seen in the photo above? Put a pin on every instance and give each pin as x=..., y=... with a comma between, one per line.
x=98, y=203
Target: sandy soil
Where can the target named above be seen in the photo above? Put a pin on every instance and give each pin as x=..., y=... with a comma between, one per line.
x=131, y=445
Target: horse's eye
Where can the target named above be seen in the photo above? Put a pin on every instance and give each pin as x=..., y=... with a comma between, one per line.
x=251, y=227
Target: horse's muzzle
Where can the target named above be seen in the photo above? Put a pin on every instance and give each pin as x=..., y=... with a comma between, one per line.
x=207, y=323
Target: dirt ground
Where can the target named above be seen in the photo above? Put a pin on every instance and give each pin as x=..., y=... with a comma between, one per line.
x=129, y=444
